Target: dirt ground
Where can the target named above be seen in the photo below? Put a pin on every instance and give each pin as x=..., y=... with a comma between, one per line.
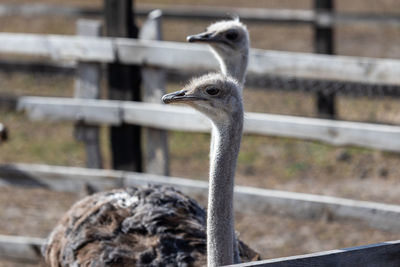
x=268, y=162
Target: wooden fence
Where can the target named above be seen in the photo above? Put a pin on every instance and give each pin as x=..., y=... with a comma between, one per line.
x=376, y=255
x=385, y=137
x=247, y=199
x=181, y=56
x=209, y=13
x=155, y=56
x=323, y=18
x=197, y=57
x=27, y=249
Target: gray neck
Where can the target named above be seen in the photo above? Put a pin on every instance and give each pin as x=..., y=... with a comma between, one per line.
x=235, y=66
x=220, y=219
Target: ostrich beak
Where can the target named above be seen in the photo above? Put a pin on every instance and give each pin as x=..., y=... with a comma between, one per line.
x=180, y=96
x=174, y=97
x=207, y=37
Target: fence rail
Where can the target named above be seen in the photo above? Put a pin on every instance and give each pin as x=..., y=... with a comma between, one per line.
x=27, y=249
x=298, y=205
x=180, y=56
x=382, y=254
x=20, y=248
x=111, y=112
x=264, y=82
x=247, y=199
x=298, y=16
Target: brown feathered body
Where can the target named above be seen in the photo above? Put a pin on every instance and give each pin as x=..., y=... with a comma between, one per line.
x=152, y=226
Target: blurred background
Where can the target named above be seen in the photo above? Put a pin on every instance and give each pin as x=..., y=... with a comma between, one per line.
x=266, y=162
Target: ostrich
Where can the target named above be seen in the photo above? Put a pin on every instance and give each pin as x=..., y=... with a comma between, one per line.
x=229, y=40
x=158, y=225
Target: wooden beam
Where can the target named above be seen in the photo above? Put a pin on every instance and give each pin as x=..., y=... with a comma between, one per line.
x=87, y=86
x=245, y=14
x=266, y=82
x=376, y=136
x=3, y=133
x=68, y=179
x=302, y=65
x=184, y=56
x=89, y=111
x=324, y=44
x=123, y=84
x=206, y=13
x=59, y=47
x=382, y=254
x=38, y=9
x=264, y=15
x=247, y=199
x=156, y=159
x=20, y=248
x=27, y=249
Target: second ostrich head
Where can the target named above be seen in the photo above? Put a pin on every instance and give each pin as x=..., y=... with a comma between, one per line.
x=230, y=41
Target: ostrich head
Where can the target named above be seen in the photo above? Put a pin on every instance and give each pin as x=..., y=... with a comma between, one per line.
x=229, y=40
x=215, y=95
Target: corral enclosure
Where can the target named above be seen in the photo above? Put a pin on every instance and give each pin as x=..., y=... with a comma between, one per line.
x=266, y=162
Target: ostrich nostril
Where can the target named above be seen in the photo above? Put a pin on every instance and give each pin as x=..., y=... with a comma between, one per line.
x=182, y=93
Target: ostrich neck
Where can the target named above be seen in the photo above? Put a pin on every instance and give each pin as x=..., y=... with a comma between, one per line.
x=234, y=66
x=220, y=219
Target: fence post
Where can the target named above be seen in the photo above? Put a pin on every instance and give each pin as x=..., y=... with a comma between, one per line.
x=324, y=44
x=87, y=85
x=123, y=84
x=153, y=80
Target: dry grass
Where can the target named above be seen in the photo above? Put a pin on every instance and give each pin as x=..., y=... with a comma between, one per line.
x=264, y=161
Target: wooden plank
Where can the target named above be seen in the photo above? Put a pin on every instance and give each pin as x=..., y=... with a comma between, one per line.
x=156, y=154
x=87, y=86
x=19, y=248
x=263, y=15
x=165, y=117
x=123, y=84
x=331, y=132
x=27, y=249
x=324, y=44
x=246, y=14
x=58, y=47
x=266, y=82
x=324, y=67
x=375, y=255
x=3, y=133
x=385, y=137
x=293, y=16
x=88, y=111
x=66, y=180
x=184, y=56
x=247, y=199
x=261, y=62
x=38, y=9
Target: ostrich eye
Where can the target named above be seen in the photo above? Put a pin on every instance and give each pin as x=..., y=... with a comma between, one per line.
x=212, y=91
x=232, y=35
